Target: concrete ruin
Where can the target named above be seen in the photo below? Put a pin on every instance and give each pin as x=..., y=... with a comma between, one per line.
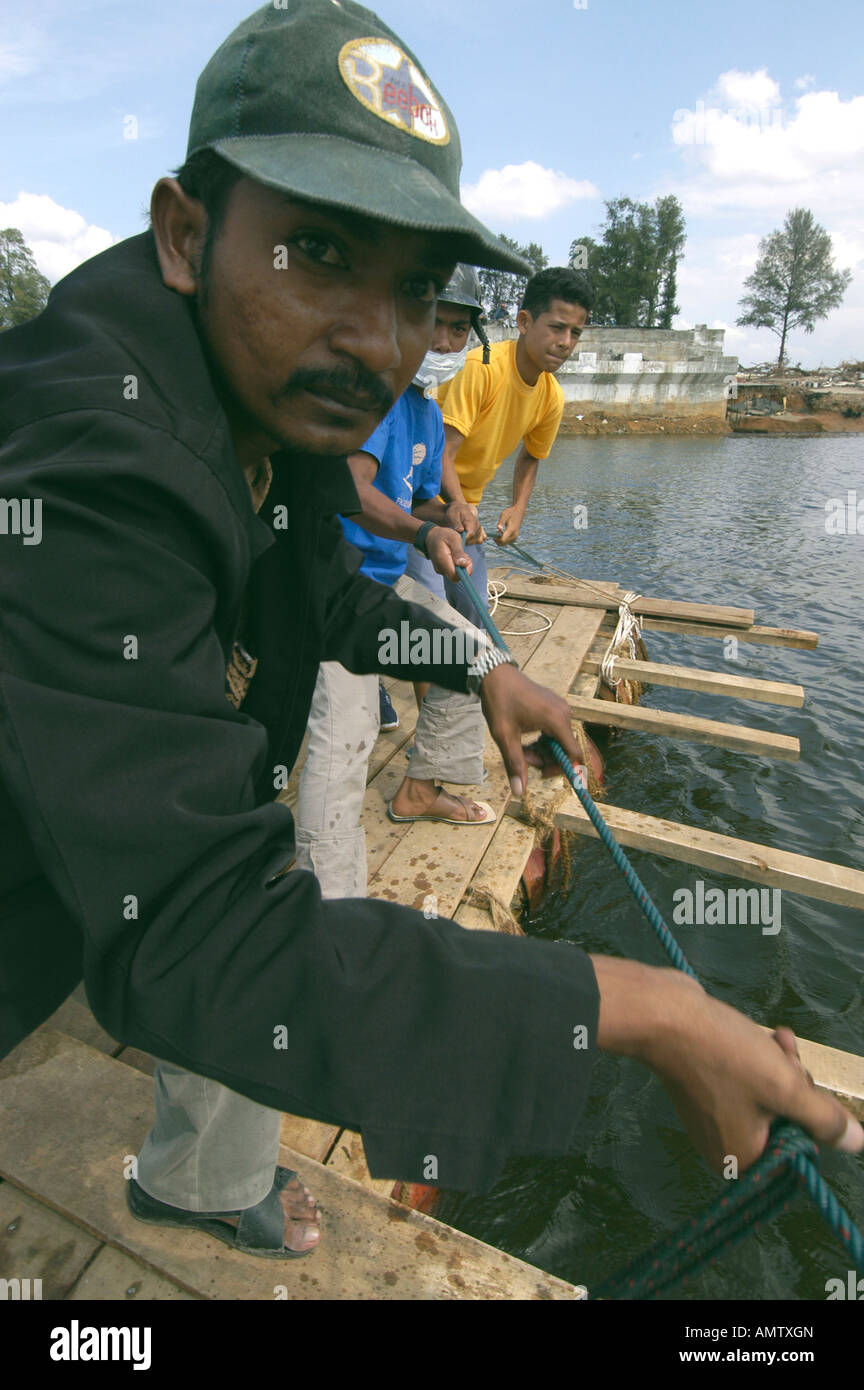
x=646, y=374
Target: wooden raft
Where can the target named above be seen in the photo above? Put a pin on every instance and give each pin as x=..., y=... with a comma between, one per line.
x=74, y=1087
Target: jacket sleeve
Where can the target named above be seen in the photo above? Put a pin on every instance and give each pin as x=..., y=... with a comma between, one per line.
x=370, y=629
x=135, y=778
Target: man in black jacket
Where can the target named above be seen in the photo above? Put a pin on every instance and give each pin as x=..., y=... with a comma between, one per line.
x=180, y=413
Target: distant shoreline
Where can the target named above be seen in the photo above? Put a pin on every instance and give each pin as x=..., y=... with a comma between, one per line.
x=804, y=414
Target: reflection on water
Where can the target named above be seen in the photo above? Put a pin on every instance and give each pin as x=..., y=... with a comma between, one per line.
x=737, y=521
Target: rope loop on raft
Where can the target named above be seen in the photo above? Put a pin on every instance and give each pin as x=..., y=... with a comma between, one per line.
x=495, y=590
x=626, y=635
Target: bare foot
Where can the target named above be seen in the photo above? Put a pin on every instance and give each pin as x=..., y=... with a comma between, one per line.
x=302, y=1217
x=418, y=797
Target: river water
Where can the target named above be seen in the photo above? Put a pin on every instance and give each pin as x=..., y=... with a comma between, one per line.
x=741, y=521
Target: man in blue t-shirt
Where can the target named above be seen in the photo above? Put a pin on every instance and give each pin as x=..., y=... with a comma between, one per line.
x=398, y=477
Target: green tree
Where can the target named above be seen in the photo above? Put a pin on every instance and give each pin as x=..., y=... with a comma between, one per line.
x=633, y=266
x=795, y=282
x=497, y=286
x=23, y=289
x=669, y=239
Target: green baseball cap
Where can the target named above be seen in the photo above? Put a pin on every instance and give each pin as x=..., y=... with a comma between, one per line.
x=320, y=99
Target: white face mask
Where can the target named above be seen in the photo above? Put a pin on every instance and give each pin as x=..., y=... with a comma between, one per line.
x=438, y=367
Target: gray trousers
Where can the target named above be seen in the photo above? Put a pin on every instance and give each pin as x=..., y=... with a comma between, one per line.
x=211, y=1149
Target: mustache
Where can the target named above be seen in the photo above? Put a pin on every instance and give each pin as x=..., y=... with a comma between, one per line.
x=357, y=382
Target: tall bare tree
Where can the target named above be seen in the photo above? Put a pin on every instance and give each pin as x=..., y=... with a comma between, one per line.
x=795, y=281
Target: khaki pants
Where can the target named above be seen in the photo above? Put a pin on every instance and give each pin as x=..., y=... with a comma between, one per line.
x=343, y=725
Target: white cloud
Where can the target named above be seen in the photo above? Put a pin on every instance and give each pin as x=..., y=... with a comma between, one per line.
x=807, y=80
x=59, y=238
x=523, y=191
x=755, y=90
x=760, y=157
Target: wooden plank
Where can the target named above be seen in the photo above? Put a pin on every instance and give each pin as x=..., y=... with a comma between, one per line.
x=530, y=588
x=75, y=1017
x=58, y=1096
x=499, y=872
x=763, y=636
x=506, y=572
x=794, y=873
x=115, y=1277
x=436, y=859
x=309, y=1137
x=842, y=1073
x=559, y=657
x=587, y=683
x=707, y=682
x=37, y=1244
x=439, y=860
x=349, y=1158
x=738, y=737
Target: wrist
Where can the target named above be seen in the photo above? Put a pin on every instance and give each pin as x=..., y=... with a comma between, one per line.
x=487, y=661
x=642, y=1009
x=421, y=536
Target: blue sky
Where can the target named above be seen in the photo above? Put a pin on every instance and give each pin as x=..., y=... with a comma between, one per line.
x=742, y=112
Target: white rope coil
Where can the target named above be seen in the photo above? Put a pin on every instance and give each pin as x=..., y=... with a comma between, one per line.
x=495, y=589
x=626, y=634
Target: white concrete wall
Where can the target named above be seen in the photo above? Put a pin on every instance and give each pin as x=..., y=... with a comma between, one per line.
x=625, y=368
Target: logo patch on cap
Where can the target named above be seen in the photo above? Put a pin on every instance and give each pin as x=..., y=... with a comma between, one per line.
x=384, y=80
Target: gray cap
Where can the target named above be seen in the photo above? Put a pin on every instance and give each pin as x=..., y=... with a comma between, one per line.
x=320, y=99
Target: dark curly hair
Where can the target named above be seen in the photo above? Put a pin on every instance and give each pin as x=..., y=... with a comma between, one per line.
x=558, y=282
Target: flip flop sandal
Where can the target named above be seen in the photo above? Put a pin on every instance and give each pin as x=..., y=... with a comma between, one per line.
x=261, y=1229
x=487, y=818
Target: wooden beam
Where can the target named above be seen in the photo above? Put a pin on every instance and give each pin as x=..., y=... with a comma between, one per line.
x=708, y=682
x=499, y=871
x=59, y=1097
x=570, y=595
x=764, y=636
x=687, y=726
x=776, y=868
x=836, y=1071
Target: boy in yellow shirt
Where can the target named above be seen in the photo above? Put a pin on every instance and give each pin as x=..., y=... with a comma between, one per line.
x=488, y=410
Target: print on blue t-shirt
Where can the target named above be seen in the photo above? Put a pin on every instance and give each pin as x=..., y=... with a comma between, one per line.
x=408, y=445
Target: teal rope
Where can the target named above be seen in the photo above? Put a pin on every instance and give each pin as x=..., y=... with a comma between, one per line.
x=524, y=555
x=766, y=1186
